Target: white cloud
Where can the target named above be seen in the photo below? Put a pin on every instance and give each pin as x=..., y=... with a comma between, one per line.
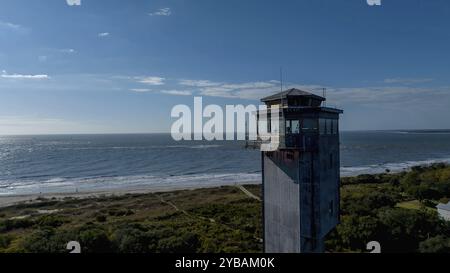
x=336, y=96
x=5, y=75
x=247, y=90
x=250, y=85
x=367, y=95
x=68, y=50
x=103, y=34
x=177, y=92
x=407, y=80
x=168, y=92
x=9, y=25
x=382, y=97
x=161, y=12
x=198, y=83
x=141, y=90
x=11, y=28
x=151, y=80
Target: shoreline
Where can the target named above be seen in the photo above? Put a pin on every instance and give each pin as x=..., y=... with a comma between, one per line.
x=221, y=218
x=11, y=200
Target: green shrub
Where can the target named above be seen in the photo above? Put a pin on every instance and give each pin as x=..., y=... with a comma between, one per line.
x=48, y=240
x=438, y=244
x=403, y=229
x=132, y=240
x=11, y=224
x=429, y=203
x=51, y=221
x=121, y=212
x=101, y=218
x=5, y=240
x=185, y=243
x=95, y=240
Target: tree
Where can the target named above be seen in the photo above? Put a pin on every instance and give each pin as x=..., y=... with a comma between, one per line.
x=438, y=244
x=403, y=229
x=95, y=240
x=354, y=233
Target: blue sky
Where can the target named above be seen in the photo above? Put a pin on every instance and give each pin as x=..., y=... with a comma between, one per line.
x=120, y=66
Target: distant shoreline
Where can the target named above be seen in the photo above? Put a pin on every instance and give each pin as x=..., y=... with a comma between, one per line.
x=424, y=131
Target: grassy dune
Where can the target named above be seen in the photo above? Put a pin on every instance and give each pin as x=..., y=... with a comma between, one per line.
x=203, y=220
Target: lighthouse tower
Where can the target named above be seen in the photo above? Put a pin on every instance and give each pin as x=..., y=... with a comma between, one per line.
x=301, y=178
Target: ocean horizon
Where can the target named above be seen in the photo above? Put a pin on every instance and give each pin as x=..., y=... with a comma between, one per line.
x=33, y=164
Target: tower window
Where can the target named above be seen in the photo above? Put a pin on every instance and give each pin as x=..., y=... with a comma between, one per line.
x=309, y=124
x=295, y=126
x=329, y=125
x=322, y=126
x=335, y=126
x=331, y=208
x=331, y=161
x=288, y=127
x=292, y=127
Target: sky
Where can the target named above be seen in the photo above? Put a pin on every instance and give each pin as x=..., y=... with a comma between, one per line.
x=120, y=66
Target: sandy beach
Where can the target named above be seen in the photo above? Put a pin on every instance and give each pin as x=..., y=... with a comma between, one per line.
x=6, y=201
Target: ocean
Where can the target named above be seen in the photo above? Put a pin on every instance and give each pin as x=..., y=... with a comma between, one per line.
x=84, y=163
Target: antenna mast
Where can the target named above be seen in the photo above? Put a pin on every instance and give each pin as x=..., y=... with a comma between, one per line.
x=324, y=94
x=281, y=79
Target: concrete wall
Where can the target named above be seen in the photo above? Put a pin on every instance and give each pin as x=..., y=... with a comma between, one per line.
x=292, y=198
x=281, y=206
x=328, y=183
x=301, y=196
x=311, y=241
